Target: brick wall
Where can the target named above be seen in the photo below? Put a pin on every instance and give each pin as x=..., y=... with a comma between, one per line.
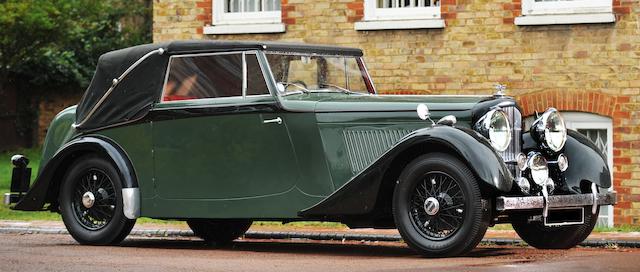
x=591, y=68
x=50, y=105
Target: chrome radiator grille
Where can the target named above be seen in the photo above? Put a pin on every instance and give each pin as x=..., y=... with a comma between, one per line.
x=364, y=146
x=509, y=155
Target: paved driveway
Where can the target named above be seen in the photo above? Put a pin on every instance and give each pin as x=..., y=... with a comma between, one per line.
x=46, y=252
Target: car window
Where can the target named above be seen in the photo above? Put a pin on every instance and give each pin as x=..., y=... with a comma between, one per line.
x=256, y=84
x=316, y=73
x=204, y=77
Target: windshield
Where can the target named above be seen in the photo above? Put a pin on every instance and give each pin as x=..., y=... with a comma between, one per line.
x=301, y=73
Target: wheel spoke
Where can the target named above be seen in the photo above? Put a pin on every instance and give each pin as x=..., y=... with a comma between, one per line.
x=102, y=210
x=447, y=218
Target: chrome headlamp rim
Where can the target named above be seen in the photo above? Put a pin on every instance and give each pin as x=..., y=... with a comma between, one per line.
x=485, y=126
x=541, y=129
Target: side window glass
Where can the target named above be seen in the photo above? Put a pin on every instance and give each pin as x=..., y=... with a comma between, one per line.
x=256, y=84
x=204, y=77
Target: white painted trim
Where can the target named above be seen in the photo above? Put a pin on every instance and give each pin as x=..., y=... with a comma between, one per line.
x=400, y=24
x=244, y=28
x=243, y=22
x=564, y=19
x=531, y=7
x=373, y=13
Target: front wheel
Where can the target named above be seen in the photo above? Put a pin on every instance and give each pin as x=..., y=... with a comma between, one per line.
x=554, y=237
x=438, y=208
x=91, y=202
x=219, y=232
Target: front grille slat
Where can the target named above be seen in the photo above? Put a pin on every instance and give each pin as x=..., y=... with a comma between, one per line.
x=509, y=155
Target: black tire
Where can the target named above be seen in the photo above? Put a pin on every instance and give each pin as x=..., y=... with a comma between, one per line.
x=102, y=223
x=432, y=239
x=219, y=232
x=562, y=237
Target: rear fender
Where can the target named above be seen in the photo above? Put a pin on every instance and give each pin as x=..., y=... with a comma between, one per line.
x=46, y=186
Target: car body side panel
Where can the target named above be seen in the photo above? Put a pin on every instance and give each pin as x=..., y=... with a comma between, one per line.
x=135, y=140
x=315, y=177
x=359, y=194
x=353, y=140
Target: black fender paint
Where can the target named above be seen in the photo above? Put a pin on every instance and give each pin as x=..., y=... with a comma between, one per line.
x=358, y=196
x=586, y=162
x=41, y=193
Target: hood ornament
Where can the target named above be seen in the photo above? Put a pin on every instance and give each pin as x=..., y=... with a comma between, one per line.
x=500, y=89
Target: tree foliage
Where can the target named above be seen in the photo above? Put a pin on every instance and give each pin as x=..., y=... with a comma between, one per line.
x=58, y=42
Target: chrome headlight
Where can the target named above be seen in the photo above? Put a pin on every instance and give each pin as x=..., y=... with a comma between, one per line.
x=495, y=126
x=539, y=170
x=550, y=130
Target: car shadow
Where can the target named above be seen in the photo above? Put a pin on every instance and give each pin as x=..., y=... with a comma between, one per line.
x=371, y=249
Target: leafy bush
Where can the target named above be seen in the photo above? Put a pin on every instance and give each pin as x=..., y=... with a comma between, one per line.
x=57, y=42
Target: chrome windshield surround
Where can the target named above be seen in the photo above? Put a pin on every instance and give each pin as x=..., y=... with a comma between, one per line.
x=359, y=61
x=115, y=83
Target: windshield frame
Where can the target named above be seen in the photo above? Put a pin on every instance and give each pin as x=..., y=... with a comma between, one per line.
x=366, y=77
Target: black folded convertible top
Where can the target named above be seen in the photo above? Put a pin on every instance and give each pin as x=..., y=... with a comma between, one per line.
x=132, y=97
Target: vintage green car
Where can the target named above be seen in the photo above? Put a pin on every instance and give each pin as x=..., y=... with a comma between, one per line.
x=221, y=133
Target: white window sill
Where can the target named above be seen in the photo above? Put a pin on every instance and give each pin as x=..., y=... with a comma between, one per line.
x=244, y=28
x=565, y=19
x=400, y=24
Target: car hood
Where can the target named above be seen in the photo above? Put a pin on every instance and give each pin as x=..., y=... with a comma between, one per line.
x=392, y=103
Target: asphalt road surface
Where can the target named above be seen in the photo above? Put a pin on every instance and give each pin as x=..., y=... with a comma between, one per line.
x=43, y=252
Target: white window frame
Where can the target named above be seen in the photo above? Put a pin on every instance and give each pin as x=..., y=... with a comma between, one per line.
x=243, y=22
x=581, y=120
x=566, y=12
x=399, y=18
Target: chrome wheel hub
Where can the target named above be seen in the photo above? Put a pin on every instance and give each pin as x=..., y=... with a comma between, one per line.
x=88, y=199
x=431, y=206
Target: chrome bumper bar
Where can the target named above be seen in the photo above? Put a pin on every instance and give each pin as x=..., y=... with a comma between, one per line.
x=504, y=203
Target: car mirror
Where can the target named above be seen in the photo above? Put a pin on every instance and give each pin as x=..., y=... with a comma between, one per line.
x=423, y=111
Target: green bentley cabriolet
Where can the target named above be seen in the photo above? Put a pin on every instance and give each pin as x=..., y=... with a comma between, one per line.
x=221, y=133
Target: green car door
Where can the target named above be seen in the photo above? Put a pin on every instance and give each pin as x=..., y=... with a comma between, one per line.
x=220, y=139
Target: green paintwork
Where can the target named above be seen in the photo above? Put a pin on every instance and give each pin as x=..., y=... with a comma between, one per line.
x=236, y=166
x=59, y=132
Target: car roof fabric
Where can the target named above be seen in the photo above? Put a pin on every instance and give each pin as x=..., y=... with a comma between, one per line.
x=134, y=96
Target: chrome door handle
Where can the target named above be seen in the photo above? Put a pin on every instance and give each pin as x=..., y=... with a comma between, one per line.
x=277, y=120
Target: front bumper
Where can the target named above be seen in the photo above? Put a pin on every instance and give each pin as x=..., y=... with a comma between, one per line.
x=504, y=203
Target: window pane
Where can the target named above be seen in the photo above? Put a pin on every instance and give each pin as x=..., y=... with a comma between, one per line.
x=204, y=77
x=256, y=83
x=407, y=3
x=597, y=136
x=317, y=73
x=251, y=5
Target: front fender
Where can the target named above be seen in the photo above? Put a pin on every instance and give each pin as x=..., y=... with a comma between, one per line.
x=46, y=186
x=359, y=195
x=586, y=162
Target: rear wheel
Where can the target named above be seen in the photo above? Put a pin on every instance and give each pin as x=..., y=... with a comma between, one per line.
x=91, y=202
x=562, y=237
x=219, y=232
x=437, y=206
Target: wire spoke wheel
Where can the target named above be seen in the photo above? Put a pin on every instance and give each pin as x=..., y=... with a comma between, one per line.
x=437, y=206
x=94, y=199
